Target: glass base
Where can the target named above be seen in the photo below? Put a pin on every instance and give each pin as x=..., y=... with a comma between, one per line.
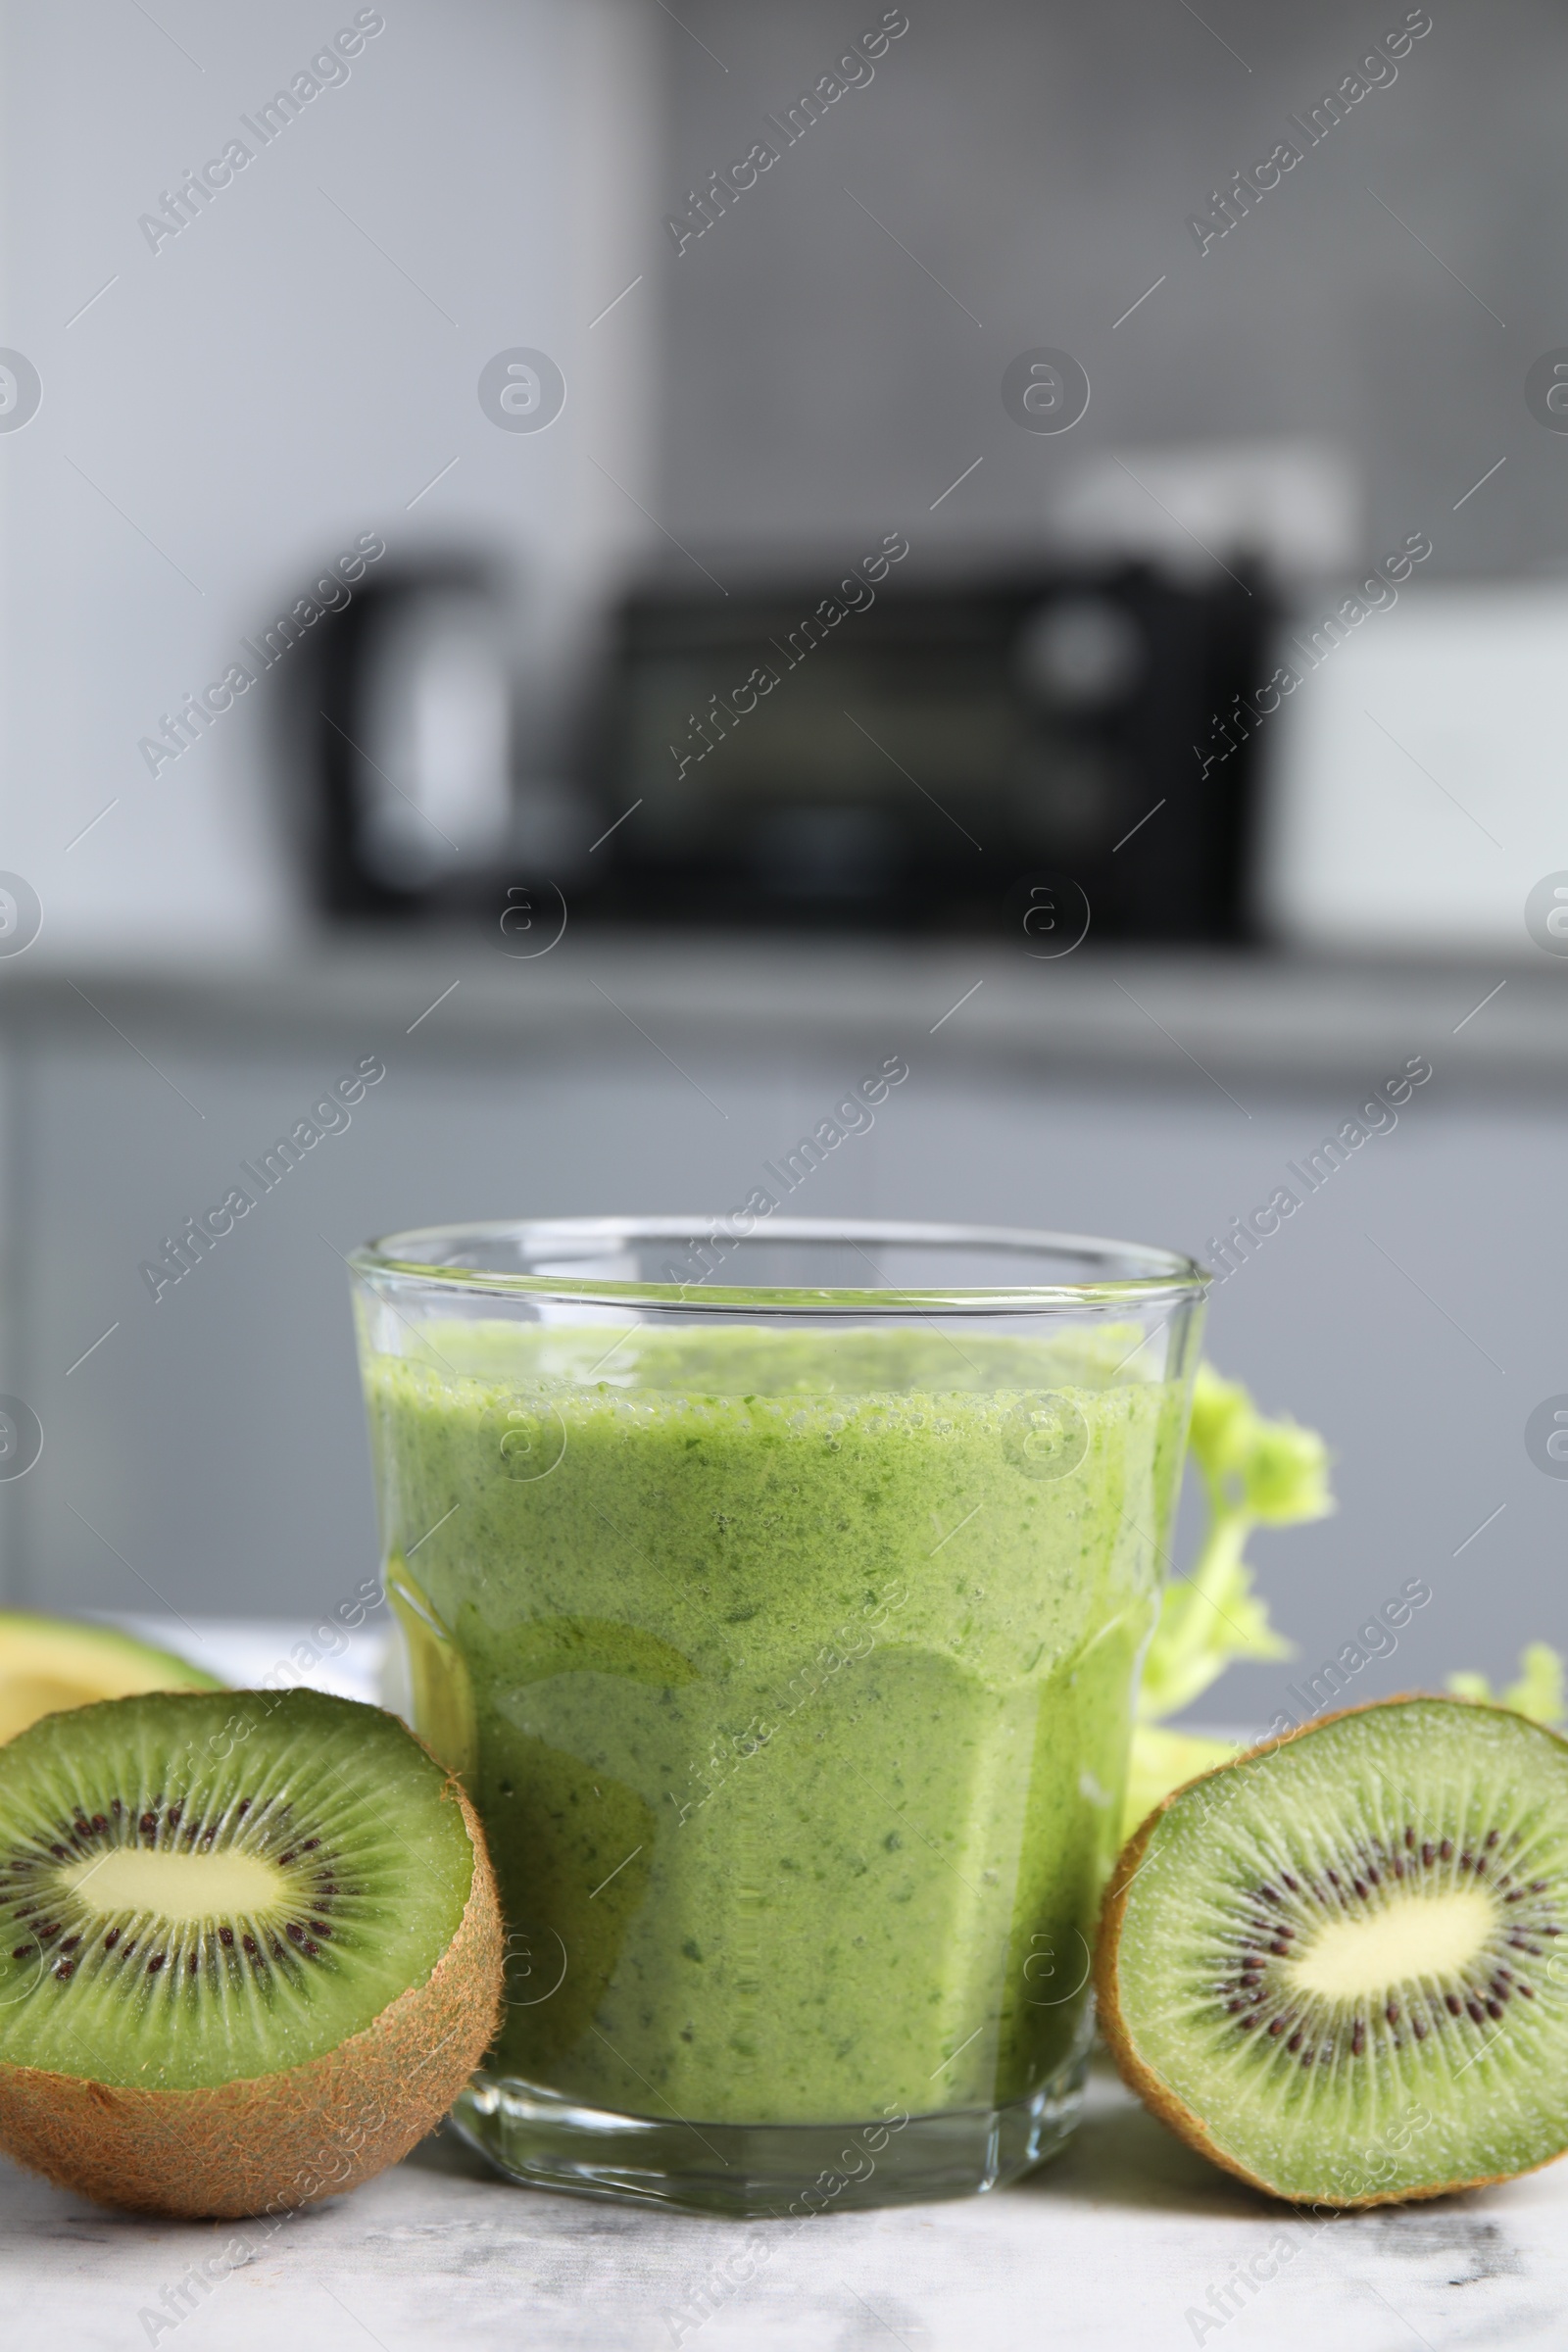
x=765, y=2171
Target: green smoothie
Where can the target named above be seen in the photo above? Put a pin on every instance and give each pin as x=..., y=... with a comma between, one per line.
x=792, y=1671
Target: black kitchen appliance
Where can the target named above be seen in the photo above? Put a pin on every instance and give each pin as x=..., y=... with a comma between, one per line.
x=398, y=740
x=914, y=757
x=864, y=754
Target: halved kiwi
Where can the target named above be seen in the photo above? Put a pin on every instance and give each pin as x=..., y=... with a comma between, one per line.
x=47, y=1663
x=250, y=1948
x=1338, y=1966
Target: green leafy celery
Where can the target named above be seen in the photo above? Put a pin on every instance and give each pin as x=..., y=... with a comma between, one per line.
x=1255, y=1473
x=1537, y=1693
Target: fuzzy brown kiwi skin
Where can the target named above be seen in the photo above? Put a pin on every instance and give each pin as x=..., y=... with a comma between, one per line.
x=276, y=2141
x=1156, y=2094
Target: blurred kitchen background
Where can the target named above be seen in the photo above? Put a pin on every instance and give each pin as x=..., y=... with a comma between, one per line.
x=623, y=565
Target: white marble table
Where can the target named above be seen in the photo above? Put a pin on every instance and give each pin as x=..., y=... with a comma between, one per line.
x=1126, y=2240
x=1116, y=2244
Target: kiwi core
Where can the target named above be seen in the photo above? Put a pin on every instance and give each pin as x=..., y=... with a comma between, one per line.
x=1424, y=1934
x=179, y=1887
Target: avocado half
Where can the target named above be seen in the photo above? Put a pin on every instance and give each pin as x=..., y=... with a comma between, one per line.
x=50, y=1663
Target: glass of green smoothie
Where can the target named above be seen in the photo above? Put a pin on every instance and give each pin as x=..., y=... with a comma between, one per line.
x=779, y=1591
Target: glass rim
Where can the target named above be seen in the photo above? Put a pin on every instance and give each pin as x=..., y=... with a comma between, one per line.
x=1167, y=1277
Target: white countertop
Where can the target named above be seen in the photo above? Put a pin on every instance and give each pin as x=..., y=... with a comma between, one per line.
x=1112, y=2246
x=1118, y=2242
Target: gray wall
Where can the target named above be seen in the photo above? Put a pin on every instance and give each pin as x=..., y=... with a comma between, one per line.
x=1042, y=162
x=210, y=1457
x=228, y=412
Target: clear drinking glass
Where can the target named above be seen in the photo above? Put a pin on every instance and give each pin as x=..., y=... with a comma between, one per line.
x=780, y=1595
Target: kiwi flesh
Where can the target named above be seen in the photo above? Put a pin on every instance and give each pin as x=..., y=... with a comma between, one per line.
x=48, y=1663
x=1338, y=1966
x=250, y=1949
